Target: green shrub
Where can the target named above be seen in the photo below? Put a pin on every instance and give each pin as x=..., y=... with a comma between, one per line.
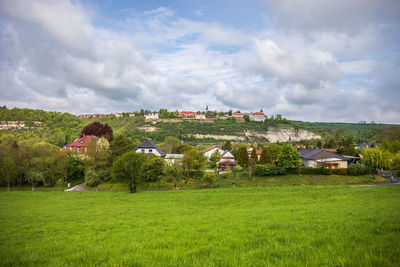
x=209, y=178
x=341, y=171
x=357, y=169
x=260, y=170
x=322, y=171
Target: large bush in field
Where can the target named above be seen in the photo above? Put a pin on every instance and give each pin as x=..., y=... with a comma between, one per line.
x=269, y=170
x=357, y=169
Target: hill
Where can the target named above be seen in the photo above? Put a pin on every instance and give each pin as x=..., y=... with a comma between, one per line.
x=61, y=128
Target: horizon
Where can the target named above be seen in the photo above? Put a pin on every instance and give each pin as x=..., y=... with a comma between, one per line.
x=332, y=62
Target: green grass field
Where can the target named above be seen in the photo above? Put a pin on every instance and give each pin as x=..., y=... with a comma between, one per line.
x=282, y=226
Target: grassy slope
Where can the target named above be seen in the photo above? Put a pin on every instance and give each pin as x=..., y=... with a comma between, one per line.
x=291, y=226
x=226, y=180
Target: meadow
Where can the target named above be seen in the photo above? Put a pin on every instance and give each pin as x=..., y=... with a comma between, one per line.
x=276, y=226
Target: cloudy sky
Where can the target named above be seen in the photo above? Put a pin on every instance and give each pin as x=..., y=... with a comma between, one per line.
x=314, y=60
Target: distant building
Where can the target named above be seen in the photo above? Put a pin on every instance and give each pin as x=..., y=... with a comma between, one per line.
x=132, y=114
x=257, y=116
x=80, y=144
x=186, y=114
x=258, y=152
x=237, y=115
x=85, y=116
x=200, y=116
x=118, y=115
x=150, y=148
x=151, y=116
x=211, y=150
x=173, y=158
x=320, y=158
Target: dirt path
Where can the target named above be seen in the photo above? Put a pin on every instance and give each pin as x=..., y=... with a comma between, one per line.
x=77, y=188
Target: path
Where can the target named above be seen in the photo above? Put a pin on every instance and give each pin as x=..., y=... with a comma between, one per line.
x=78, y=188
x=375, y=184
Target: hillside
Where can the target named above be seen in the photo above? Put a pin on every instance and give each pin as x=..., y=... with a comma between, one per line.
x=61, y=128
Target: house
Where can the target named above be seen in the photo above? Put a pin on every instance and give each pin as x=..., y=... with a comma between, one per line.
x=118, y=115
x=227, y=161
x=186, y=114
x=173, y=158
x=150, y=148
x=85, y=116
x=132, y=114
x=211, y=150
x=200, y=116
x=258, y=152
x=237, y=115
x=257, y=116
x=363, y=145
x=151, y=116
x=80, y=144
x=320, y=158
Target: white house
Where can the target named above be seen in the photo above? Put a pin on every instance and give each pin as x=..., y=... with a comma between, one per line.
x=151, y=116
x=150, y=148
x=211, y=150
x=257, y=116
x=172, y=158
x=320, y=158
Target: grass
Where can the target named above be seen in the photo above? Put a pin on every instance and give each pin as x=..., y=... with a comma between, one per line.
x=280, y=226
x=226, y=180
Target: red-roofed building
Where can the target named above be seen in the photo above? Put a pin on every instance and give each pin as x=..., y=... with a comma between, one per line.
x=237, y=115
x=187, y=114
x=80, y=144
x=258, y=152
x=211, y=150
x=118, y=115
x=85, y=116
x=257, y=116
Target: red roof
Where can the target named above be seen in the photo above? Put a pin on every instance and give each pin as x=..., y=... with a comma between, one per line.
x=83, y=141
x=187, y=112
x=257, y=113
x=236, y=113
x=208, y=149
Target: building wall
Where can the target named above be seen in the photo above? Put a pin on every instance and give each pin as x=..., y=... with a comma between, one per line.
x=148, y=151
x=212, y=151
x=341, y=164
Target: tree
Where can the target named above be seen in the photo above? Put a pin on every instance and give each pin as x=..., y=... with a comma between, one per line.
x=94, y=177
x=34, y=177
x=193, y=162
x=75, y=169
x=288, y=157
x=170, y=145
x=253, y=157
x=209, y=178
x=130, y=167
x=396, y=164
x=227, y=145
x=246, y=117
x=98, y=129
x=120, y=145
x=242, y=156
x=153, y=169
x=215, y=157
x=99, y=160
x=175, y=173
x=8, y=170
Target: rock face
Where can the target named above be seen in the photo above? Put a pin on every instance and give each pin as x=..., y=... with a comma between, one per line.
x=281, y=133
x=5, y=125
x=284, y=133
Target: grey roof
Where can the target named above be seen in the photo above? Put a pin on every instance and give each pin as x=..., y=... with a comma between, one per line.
x=174, y=156
x=317, y=153
x=150, y=144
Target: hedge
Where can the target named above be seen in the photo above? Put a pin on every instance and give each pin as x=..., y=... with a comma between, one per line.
x=321, y=171
x=357, y=169
x=269, y=170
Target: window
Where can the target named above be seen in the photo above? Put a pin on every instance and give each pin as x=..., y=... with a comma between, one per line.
x=150, y=150
x=142, y=150
x=78, y=149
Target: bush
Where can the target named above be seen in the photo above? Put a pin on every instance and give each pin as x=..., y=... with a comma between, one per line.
x=210, y=178
x=269, y=170
x=260, y=170
x=357, y=169
x=321, y=171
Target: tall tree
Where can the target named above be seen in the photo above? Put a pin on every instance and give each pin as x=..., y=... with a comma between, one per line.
x=170, y=145
x=227, y=145
x=8, y=170
x=98, y=129
x=215, y=157
x=130, y=167
x=288, y=157
x=242, y=156
x=193, y=162
x=120, y=145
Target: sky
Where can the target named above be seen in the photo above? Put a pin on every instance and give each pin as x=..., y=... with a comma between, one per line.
x=312, y=60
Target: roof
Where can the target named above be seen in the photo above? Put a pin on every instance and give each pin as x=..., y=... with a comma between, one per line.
x=257, y=113
x=150, y=144
x=187, y=112
x=83, y=141
x=237, y=113
x=318, y=154
x=174, y=156
x=210, y=148
x=226, y=154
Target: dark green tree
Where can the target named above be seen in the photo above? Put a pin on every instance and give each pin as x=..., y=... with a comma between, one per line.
x=288, y=157
x=120, y=145
x=130, y=167
x=242, y=156
x=193, y=162
x=227, y=145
